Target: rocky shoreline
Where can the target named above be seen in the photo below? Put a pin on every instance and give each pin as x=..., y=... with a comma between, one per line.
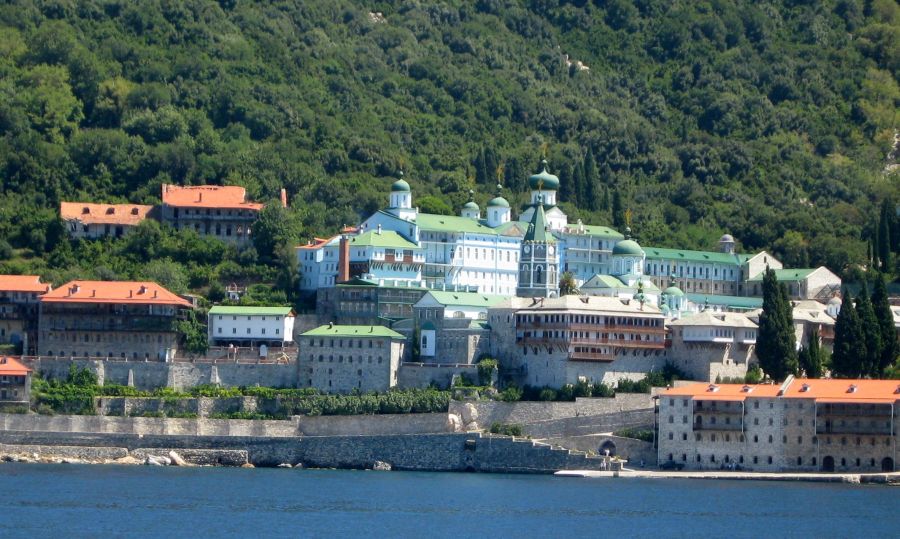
x=142, y=457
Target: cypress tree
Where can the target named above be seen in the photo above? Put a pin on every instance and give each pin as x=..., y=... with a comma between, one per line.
x=591, y=182
x=814, y=358
x=849, y=348
x=890, y=347
x=618, y=211
x=871, y=333
x=883, y=244
x=776, y=342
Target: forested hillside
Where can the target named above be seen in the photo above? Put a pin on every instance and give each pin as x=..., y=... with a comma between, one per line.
x=773, y=121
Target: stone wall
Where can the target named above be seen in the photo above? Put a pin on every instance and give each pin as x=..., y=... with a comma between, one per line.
x=81, y=424
x=414, y=375
x=634, y=451
x=427, y=452
x=369, y=425
x=706, y=362
x=179, y=376
x=525, y=413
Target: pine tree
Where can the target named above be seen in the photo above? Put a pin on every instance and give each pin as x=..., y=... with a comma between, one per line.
x=849, y=347
x=776, y=341
x=871, y=333
x=890, y=347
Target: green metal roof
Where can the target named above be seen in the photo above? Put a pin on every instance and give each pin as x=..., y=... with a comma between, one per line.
x=250, y=311
x=353, y=331
x=593, y=230
x=387, y=238
x=734, y=302
x=468, y=299
x=537, y=230
x=709, y=257
x=498, y=202
x=451, y=223
x=603, y=281
x=797, y=274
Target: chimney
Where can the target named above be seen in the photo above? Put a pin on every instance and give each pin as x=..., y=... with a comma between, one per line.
x=143, y=290
x=283, y=197
x=155, y=293
x=130, y=294
x=378, y=231
x=344, y=260
x=200, y=196
x=94, y=293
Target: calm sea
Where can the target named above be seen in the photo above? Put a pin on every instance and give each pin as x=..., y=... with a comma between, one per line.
x=125, y=501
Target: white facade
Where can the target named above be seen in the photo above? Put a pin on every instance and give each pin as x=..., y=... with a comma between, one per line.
x=243, y=324
x=318, y=263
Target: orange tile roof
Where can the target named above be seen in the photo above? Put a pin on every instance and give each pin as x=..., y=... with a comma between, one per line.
x=722, y=392
x=141, y=293
x=821, y=390
x=208, y=196
x=834, y=390
x=11, y=367
x=102, y=214
x=23, y=283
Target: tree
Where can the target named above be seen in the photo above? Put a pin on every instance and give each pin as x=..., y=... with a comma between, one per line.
x=618, y=211
x=776, y=341
x=812, y=356
x=871, y=332
x=276, y=228
x=883, y=239
x=849, y=346
x=193, y=334
x=890, y=347
x=567, y=285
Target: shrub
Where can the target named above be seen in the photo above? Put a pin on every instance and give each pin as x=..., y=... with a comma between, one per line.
x=638, y=434
x=506, y=429
x=547, y=394
x=486, y=369
x=510, y=394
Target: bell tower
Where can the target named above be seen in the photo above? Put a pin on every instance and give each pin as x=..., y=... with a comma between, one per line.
x=538, y=259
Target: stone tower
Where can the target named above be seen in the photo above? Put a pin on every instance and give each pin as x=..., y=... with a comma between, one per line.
x=538, y=259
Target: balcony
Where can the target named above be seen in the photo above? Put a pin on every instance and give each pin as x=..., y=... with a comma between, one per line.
x=163, y=324
x=591, y=356
x=719, y=426
x=710, y=408
x=844, y=411
x=880, y=428
x=655, y=330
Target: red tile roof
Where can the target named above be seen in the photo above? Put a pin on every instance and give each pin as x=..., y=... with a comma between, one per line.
x=23, y=283
x=316, y=243
x=821, y=390
x=141, y=293
x=11, y=367
x=102, y=214
x=208, y=196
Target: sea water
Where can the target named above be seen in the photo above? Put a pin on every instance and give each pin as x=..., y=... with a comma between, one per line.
x=134, y=501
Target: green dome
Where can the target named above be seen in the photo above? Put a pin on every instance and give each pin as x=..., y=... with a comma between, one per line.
x=470, y=205
x=544, y=181
x=400, y=186
x=673, y=292
x=629, y=248
x=498, y=202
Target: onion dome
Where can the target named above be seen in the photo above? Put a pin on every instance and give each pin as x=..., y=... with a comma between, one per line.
x=628, y=248
x=470, y=205
x=498, y=201
x=400, y=186
x=673, y=291
x=544, y=181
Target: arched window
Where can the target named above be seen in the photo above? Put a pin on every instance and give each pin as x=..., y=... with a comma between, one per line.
x=538, y=275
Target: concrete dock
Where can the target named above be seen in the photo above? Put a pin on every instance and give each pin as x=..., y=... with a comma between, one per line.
x=874, y=478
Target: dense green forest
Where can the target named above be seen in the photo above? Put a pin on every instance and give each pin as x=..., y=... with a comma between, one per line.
x=774, y=121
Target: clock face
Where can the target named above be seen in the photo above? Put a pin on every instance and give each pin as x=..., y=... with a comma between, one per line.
x=527, y=249
x=550, y=250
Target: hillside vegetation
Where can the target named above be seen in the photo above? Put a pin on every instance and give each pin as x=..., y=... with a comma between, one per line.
x=773, y=121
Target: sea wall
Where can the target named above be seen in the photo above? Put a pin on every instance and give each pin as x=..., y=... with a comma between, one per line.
x=427, y=452
x=630, y=449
